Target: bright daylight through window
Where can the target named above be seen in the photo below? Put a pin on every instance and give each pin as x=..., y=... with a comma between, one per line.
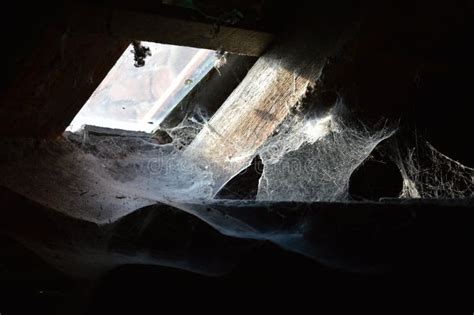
x=138, y=99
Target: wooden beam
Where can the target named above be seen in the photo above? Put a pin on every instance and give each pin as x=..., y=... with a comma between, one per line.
x=168, y=30
x=274, y=85
x=169, y=25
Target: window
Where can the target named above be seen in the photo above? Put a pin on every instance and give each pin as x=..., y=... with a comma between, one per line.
x=138, y=99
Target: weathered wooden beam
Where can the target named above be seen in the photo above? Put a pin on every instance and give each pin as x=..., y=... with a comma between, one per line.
x=169, y=25
x=275, y=84
x=175, y=31
x=211, y=92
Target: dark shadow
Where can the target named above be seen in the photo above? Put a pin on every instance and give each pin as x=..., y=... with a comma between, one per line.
x=243, y=186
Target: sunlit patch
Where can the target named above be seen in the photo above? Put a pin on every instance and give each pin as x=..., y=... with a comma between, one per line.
x=315, y=129
x=140, y=98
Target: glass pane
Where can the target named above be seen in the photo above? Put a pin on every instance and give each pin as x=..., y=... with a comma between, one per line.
x=139, y=99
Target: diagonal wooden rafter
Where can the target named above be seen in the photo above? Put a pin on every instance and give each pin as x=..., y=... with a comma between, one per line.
x=274, y=85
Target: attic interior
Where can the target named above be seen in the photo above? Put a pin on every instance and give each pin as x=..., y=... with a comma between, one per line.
x=261, y=148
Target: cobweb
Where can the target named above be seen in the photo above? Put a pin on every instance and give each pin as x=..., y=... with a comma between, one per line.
x=429, y=174
x=101, y=177
x=312, y=158
x=185, y=132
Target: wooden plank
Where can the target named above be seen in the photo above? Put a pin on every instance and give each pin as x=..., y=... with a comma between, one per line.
x=274, y=85
x=175, y=31
x=169, y=25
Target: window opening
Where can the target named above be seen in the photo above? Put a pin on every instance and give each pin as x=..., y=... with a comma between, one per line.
x=139, y=98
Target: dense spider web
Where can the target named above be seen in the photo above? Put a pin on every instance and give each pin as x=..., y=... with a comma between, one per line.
x=103, y=177
x=428, y=173
x=309, y=158
x=312, y=158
